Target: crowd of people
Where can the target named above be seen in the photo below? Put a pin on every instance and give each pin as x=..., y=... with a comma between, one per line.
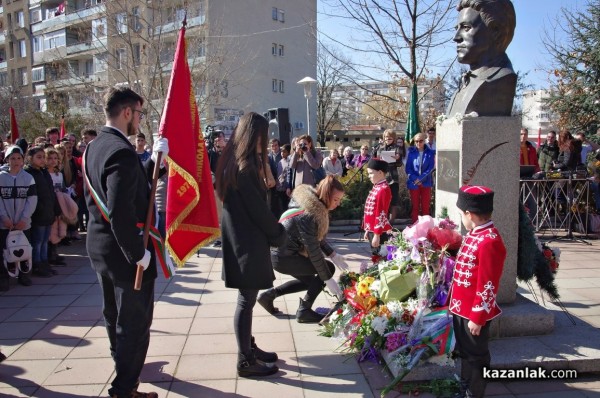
x=562, y=152
x=42, y=196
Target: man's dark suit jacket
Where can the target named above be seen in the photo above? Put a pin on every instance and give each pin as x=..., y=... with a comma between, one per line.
x=121, y=181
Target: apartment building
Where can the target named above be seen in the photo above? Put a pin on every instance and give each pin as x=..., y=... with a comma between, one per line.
x=350, y=99
x=245, y=55
x=536, y=114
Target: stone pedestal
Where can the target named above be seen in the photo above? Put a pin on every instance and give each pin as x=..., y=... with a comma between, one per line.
x=459, y=146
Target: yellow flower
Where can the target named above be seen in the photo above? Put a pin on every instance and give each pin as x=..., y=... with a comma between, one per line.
x=362, y=287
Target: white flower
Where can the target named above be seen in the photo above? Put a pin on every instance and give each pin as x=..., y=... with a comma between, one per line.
x=441, y=360
x=374, y=288
x=379, y=324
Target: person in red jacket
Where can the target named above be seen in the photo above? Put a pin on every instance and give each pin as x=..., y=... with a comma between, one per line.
x=475, y=284
x=528, y=155
x=375, y=220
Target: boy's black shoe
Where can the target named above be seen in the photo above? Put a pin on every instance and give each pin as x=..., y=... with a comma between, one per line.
x=249, y=367
x=41, y=269
x=58, y=261
x=4, y=284
x=263, y=356
x=24, y=279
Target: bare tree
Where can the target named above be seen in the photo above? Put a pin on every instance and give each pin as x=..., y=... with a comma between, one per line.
x=397, y=39
x=332, y=70
x=134, y=43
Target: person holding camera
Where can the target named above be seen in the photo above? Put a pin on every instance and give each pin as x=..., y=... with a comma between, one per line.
x=305, y=159
x=217, y=143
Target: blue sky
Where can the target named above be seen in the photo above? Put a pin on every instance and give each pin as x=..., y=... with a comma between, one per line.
x=526, y=51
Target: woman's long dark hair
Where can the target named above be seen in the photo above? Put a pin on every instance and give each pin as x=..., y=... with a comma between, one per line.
x=241, y=153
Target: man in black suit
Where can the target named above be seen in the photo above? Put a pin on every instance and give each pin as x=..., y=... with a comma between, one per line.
x=117, y=194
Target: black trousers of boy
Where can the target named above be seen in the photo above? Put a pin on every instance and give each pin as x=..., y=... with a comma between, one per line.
x=382, y=239
x=474, y=353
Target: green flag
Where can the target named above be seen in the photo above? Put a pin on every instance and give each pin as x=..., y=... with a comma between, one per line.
x=412, y=121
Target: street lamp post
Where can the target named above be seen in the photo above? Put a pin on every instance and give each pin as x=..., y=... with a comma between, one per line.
x=307, y=82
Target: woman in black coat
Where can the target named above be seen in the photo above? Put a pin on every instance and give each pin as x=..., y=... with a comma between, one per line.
x=248, y=230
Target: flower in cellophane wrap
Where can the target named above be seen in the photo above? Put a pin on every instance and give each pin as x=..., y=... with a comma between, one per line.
x=446, y=239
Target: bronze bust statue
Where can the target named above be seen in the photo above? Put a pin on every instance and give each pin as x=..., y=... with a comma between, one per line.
x=483, y=32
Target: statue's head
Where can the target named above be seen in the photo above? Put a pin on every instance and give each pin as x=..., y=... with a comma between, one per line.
x=484, y=30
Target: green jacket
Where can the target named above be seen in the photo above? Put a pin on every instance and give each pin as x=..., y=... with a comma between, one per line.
x=546, y=155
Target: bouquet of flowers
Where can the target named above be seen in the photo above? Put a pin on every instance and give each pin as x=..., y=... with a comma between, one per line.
x=392, y=308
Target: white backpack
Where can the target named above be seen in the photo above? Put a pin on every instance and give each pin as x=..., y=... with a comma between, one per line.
x=18, y=250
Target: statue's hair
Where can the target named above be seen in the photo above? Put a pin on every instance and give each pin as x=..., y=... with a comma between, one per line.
x=498, y=15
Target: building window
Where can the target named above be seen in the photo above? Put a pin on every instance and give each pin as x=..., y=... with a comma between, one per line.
x=274, y=14
x=281, y=86
x=120, y=58
x=37, y=74
x=22, y=48
x=99, y=28
x=89, y=67
x=137, y=26
x=19, y=19
x=23, y=76
x=35, y=15
x=274, y=85
x=281, y=16
x=281, y=50
x=74, y=68
x=137, y=54
x=100, y=62
x=3, y=79
x=201, y=46
x=36, y=43
x=54, y=40
x=11, y=50
x=121, y=23
x=274, y=49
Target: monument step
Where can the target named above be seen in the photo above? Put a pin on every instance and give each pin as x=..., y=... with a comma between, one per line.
x=568, y=346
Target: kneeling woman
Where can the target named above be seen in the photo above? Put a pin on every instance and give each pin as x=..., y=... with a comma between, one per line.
x=303, y=254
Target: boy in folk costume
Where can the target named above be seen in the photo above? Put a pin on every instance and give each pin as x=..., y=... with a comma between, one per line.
x=475, y=284
x=375, y=221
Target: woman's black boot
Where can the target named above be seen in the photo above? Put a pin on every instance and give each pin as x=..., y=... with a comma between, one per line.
x=266, y=298
x=306, y=315
x=247, y=366
x=263, y=356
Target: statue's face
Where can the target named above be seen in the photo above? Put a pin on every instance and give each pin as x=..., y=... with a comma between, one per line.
x=474, y=40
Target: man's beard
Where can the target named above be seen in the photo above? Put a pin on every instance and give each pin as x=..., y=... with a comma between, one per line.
x=130, y=129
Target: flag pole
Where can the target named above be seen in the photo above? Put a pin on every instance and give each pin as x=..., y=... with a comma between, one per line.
x=139, y=275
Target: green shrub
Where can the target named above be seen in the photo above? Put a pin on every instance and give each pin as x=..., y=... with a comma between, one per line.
x=357, y=186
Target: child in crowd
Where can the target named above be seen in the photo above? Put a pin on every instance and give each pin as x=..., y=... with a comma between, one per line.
x=17, y=203
x=375, y=221
x=475, y=285
x=46, y=210
x=59, y=227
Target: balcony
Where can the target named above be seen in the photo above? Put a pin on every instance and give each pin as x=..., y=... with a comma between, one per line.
x=62, y=21
x=2, y=38
x=53, y=54
x=72, y=81
x=91, y=47
x=174, y=26
x=3, y=65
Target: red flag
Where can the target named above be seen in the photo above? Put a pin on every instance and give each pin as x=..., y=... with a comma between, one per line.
x=63, y=130
x=191, y=214
x=14, y=128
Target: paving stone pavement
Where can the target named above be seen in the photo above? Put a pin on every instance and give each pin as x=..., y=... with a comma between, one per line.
x=53, y=335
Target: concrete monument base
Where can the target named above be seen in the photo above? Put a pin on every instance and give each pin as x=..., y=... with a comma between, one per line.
x=460, y=144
